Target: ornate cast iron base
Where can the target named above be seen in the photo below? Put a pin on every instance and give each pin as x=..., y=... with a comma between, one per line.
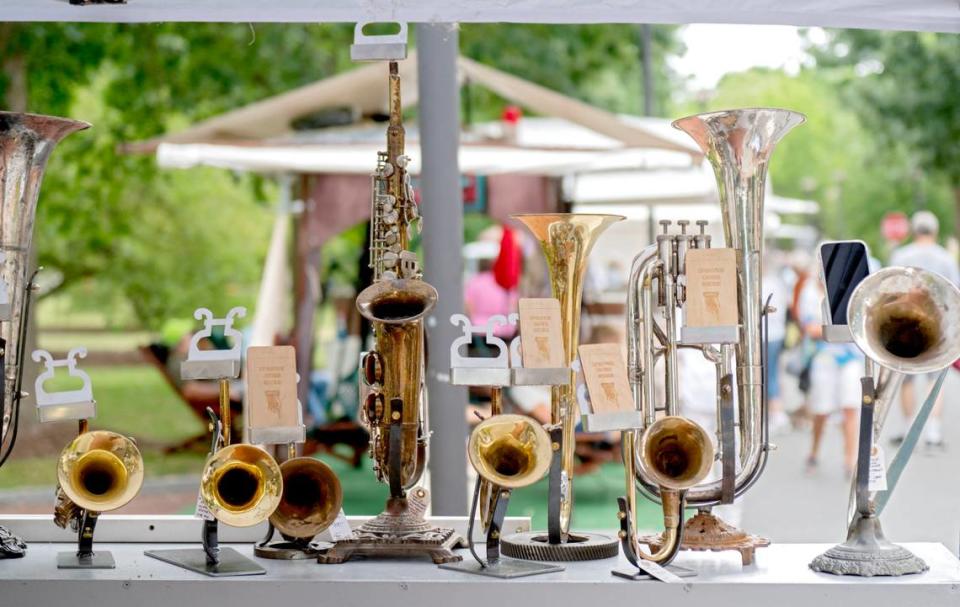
x=533, y=546
x=11, y=546
x=705, y=531
x=399, y=531
x=868, y=553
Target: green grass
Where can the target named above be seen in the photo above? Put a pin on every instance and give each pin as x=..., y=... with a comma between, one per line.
x=131, y=400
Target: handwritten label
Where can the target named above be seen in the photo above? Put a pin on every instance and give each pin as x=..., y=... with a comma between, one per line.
x=202, y=512
x=605, y=373
x=272, y=387
x=541, y=334
x=711, y=276
x=340, y=529
x=877, y=480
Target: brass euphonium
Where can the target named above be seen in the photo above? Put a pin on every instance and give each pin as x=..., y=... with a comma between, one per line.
x=241, y=485
x=26, y=141
x=395, y=304
x=738, y=144
x=566, y=240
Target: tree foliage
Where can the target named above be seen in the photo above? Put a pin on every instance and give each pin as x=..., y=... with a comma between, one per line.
x=906, y=86
x=164, y=242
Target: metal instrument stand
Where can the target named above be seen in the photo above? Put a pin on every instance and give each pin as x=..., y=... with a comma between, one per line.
x=867, y=552
x=222, y=365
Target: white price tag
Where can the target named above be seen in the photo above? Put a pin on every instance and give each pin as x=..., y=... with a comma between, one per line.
x=340, y=529
x=202, y=512
x=877, y=480
x=564, y=484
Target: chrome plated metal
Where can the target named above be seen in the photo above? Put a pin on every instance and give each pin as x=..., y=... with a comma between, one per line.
x=26, y=142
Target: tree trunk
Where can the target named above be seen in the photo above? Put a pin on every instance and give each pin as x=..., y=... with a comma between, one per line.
x=956, y=211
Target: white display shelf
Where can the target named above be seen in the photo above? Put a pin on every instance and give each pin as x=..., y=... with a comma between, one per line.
x=779, y=578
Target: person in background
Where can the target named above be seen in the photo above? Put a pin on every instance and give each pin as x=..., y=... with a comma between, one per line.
x=774, y=288
x=835, y=373
x=925, y=253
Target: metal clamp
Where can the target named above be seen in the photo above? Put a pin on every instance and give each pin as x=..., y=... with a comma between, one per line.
x=385, y=47
x=214, y=364
x=67, y=404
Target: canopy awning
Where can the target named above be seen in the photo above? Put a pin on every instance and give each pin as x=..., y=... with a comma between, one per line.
x=931, y=15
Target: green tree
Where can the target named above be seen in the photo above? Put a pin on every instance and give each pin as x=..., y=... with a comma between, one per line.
x=907, y=87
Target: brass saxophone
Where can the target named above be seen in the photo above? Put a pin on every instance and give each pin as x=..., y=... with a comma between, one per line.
x=394, y=407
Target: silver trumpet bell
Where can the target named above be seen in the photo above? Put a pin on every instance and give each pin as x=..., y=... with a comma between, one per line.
x=907, y=320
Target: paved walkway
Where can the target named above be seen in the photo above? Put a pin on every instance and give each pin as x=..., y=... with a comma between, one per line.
x=790, y=506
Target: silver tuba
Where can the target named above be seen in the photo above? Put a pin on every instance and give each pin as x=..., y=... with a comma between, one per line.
x=738, y=144
x=26, y=141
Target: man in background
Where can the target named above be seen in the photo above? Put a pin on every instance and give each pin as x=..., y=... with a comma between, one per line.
x=925, y=253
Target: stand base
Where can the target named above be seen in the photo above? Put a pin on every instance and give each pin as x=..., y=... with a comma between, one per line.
x=400, y=531
x=705, y=531
x=639, y=576
x=868, y=553
x=101, y=559
x=504, y=568
x=533, y=546
x=290, y=551
x=11, y=546
x=195, y=559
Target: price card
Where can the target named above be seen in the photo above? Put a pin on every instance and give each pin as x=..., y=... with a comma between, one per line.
x=605, y=373
x=877, y=480
x=541, y=334
x=340, y=529
x=711, y=276
x=272, y=387
x=202, y=512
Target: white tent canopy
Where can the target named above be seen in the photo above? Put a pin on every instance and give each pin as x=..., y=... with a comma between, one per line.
x=931, y=15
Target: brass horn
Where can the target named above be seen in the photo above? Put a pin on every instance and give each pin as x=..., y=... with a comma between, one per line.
x=241, y=485
x=100, y=470
x=311, y=499
x=510, y=451
x=676, y=453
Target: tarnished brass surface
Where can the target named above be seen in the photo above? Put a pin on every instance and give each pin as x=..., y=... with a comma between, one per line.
x=566, y=240
x=241, y=485
x=311, y=500
x=510, y=451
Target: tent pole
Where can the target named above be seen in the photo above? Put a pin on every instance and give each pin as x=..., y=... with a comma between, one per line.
x=442, y=209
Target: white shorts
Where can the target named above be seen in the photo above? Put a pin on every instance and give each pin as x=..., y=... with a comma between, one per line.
x=834, y=387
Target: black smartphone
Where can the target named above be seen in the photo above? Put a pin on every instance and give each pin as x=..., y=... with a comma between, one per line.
x=843, y=264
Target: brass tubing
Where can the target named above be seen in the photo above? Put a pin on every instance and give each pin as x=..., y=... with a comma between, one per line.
x=225, y=417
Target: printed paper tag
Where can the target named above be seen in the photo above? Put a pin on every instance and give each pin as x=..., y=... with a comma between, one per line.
x=272, y=387
x=605, y=373
x=340, y=529
x=877, y=480
x=202, y=512
x=711, y=276
x=541, y=334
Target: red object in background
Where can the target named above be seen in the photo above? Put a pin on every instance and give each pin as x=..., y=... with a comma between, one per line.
x=895, y=226
x=507, y=267
x=511, y=114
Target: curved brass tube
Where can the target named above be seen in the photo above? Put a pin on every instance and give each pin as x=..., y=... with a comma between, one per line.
x=676, y=453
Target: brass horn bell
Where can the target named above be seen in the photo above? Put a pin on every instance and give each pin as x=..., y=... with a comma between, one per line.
x=510, y=451
x=100, y=470
x=241, y=485
x=906, y=319
x=311, y=500
x=676, y=453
